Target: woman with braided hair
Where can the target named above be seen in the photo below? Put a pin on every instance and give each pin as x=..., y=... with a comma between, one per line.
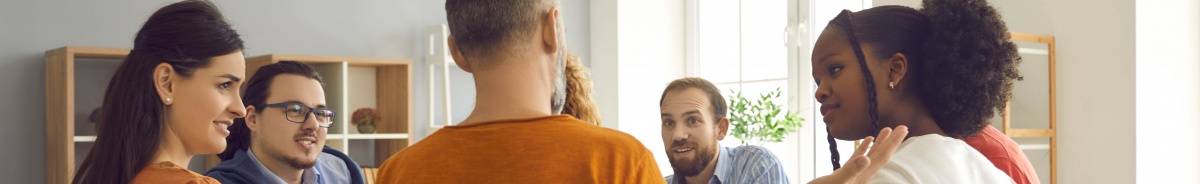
x=942, y=71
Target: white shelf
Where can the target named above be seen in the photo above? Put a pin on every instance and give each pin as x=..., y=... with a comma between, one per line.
x=1034, y=146
x=85, y=138
x=1033, y=51
x=368, y=136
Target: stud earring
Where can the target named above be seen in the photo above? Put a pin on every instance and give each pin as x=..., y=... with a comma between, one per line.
x=168, y=100
x=890, y=84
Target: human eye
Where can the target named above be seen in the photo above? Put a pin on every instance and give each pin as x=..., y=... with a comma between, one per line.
x=834, y=69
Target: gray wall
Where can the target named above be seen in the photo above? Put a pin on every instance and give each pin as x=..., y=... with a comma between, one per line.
x=368, y=28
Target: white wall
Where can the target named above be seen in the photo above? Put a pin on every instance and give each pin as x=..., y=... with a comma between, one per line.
x=1095, y=70
x=638, y=49
x=369, y=28
x=1168, y=91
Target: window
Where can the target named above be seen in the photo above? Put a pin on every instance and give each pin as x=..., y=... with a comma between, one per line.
x=742, y=45
x=739, y=45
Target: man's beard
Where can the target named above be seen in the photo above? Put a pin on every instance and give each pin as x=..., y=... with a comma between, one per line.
x=295, y=162
x=298, y=163
x=689, y=168
x=559, y=98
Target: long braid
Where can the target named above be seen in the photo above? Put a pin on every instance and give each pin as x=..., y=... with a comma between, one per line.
x=833, y=152
x=843, y=21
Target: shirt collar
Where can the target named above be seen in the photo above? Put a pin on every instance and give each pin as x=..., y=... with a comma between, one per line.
x=724, y=161
x=310, y=175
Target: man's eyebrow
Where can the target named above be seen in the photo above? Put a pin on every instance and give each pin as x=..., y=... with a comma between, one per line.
x=231, y=77
x=692, y=112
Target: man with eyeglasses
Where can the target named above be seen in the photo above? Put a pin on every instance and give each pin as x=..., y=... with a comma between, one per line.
x=282, y=137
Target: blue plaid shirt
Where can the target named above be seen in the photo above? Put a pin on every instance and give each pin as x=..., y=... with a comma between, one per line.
x=744, y=164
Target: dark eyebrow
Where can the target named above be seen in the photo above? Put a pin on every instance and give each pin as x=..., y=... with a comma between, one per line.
x=822, y=60
x=231, y=77
x=692, y=112
x=665, y=115
x=302, y=103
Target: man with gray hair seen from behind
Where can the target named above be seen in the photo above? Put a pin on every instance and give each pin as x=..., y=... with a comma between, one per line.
x=514, y=50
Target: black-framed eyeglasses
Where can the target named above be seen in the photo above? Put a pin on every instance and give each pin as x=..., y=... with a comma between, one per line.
x=297, y=112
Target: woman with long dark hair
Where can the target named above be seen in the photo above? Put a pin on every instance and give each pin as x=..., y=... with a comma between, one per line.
x=942, y=71
x=172, y=98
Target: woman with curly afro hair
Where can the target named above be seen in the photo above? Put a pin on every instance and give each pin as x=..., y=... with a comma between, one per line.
x=942, y=71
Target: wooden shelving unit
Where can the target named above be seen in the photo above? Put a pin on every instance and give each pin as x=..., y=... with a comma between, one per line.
x=350, y=83
x=1041, y=73
x=60, y=107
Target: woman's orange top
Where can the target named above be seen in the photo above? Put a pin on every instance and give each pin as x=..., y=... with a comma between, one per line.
x=167, y=172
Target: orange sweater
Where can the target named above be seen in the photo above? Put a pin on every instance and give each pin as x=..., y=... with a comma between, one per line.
x=169, y=173
x=1004, y=153
x=550, y=149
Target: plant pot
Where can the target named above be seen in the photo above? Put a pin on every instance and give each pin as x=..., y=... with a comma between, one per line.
x=366, y=128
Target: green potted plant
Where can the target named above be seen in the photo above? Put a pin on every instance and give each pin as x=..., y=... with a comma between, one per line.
x=758, y=121
x=365, y=119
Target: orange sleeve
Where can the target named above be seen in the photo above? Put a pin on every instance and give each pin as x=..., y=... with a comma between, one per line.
x=648, y=170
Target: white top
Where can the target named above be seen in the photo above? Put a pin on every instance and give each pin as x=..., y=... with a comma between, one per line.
x=938, y=159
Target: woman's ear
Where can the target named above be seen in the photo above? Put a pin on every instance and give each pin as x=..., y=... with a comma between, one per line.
x=164, y=79
x=897, y=67
x=456, y=54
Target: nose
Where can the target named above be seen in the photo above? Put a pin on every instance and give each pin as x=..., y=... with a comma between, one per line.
x=678, y=134
x=311, y=124
x=237, y=108
x=823, y=92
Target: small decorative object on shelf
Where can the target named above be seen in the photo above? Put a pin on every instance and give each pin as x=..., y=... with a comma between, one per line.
x=365, y=119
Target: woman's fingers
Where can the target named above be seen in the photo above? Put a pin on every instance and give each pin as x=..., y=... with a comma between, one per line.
x=883, y=135
x=862, y=147
x=849, y=174
x=883, y=149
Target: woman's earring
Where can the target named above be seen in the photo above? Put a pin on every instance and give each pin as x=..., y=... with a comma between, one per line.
x=890, y=84
x=168, y=101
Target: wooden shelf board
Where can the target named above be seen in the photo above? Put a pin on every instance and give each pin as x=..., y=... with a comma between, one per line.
x=1029, y=132
x=1031, y=37
x=368, y=136
x=94, y=52
x=352, y=61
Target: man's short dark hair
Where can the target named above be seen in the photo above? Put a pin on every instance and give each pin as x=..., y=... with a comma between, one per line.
x=484, y=27
x=717, y=102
